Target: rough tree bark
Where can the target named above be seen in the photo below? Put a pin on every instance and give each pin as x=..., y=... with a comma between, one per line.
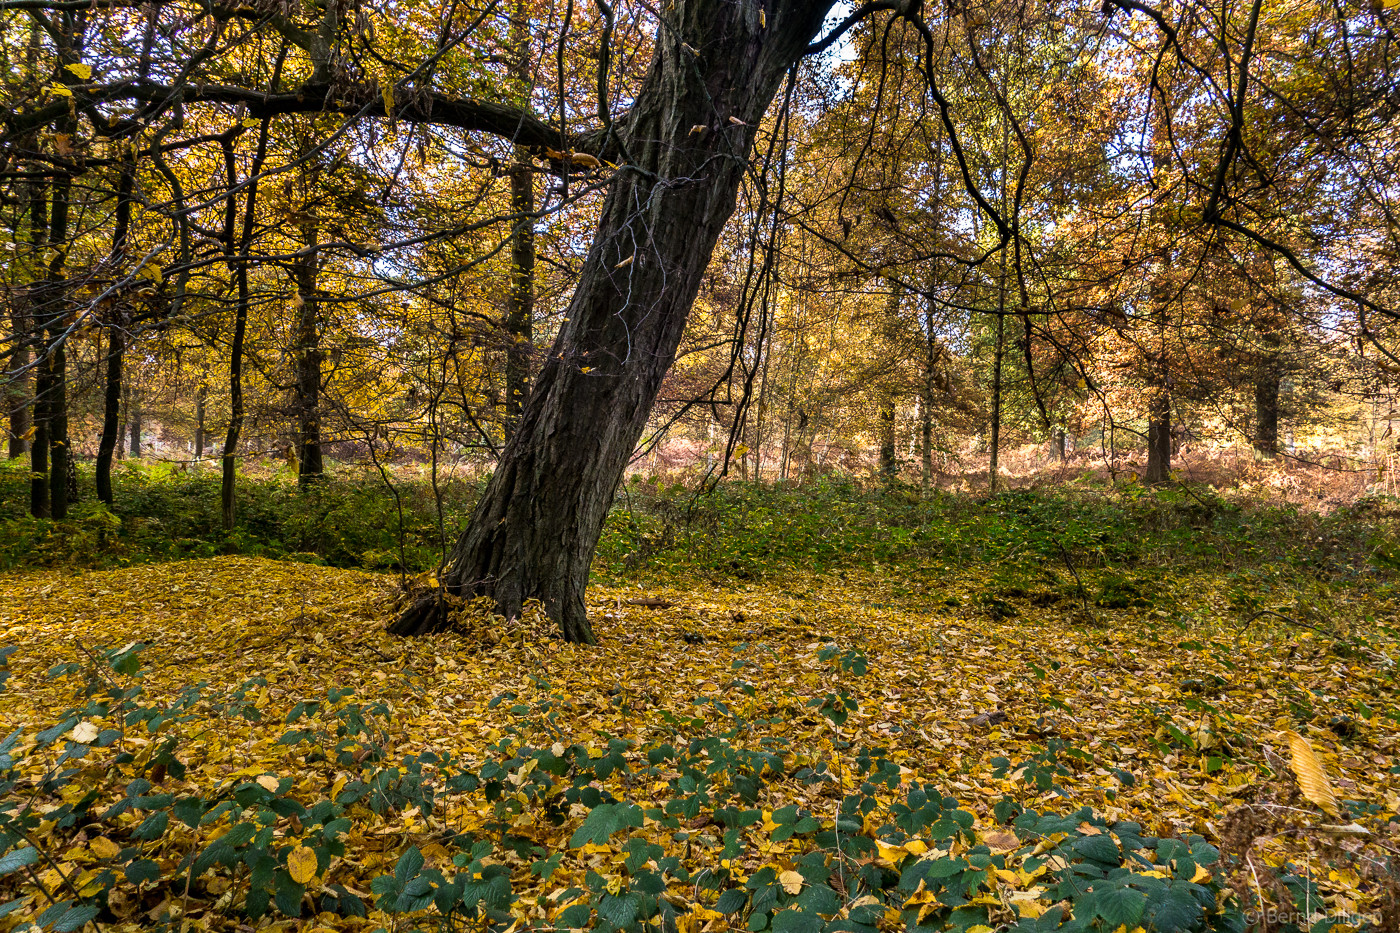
x=685, y=146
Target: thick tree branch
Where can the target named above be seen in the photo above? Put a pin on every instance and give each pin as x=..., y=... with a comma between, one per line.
x=498, y=119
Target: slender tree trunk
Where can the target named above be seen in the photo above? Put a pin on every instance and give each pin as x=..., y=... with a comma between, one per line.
x=520, y=299
x=926, y=435
x=57, y=410
x=1266, y=395
x=125, y=412
x=1159, y=437
x=520, y=308
x=993, y=472
x=308, y=363
x=1057, y=443
x=1159, y=405
x=34, y=301
x=201, y=396
x=766, y=348
x=238, y=263
x=111, y=413
x=133, y=424
x=998, y=353
x=17, y=383
x=57, y=404
x=536, y=525
x=26, y=324
x=116, y=339
x=39, y=445
x=889, y=464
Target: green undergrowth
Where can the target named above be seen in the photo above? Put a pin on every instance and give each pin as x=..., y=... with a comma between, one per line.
x=348, y=520
x=888, y=852
x=1079, y=548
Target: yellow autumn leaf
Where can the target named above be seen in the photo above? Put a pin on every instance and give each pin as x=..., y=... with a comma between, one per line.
x=83, y=72
x=791, y=881
x=1312, y=779
x=1009, y=877
x=84, y=733
x=301, y=864
x=268, y=783
x=102, y=847
x=889, y=852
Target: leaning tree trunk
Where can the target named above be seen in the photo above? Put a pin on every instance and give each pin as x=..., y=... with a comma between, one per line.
x=686, y=146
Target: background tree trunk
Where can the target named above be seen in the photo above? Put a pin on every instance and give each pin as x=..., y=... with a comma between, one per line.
x=133, y=423
x=111, y=412
x=55, y=306
x=39, y=444
x=18, y=385
x=238, y=265
x=57, y=411
x=308, y=362
x=520, y=300
x=535, y=528
x=889, y=465
x=1159, y=437
x=1266, y=394
x=201, y=394
x=116, y=340
x=33, y=301
x=520, y=313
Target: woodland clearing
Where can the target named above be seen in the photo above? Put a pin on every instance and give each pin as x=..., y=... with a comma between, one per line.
x=719, y=740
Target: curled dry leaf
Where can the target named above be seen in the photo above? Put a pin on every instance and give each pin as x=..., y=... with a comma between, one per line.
x=1312, y=779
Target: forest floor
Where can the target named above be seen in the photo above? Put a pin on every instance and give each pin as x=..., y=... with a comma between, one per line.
x=760, y=754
